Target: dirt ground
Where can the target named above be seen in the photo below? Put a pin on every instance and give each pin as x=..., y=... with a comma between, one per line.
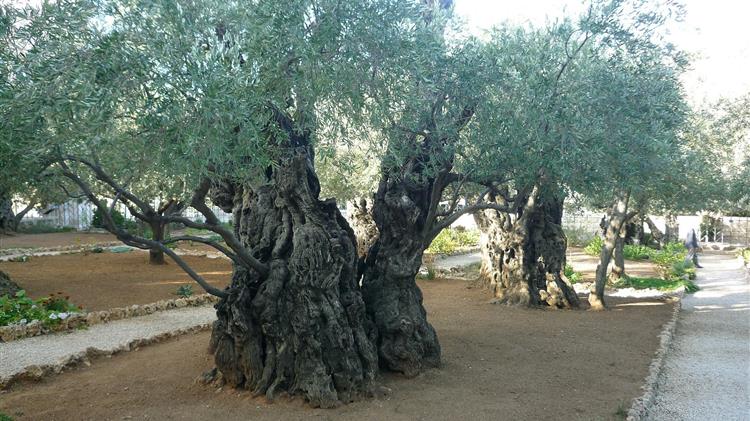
x=498, y=363
x=586, y=264
x=57, y=239
x=99, y=281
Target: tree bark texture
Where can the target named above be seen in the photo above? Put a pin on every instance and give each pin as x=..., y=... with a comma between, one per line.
x=523, y=256
x=7, y=286
x=617, y=220
x=364, y=225
x=155, y=255
x=302, y=329
x=7, y=218
x=618, y=263
x=407, y=343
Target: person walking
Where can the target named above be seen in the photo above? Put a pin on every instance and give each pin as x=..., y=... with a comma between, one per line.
x=691, y=242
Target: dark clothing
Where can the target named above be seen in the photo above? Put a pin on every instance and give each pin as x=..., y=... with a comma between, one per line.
x=691, y=243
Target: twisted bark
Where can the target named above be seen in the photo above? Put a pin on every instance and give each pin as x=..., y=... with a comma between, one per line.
x=407, y=343
x=364, y=226
x=523, y=257
x=302, y=328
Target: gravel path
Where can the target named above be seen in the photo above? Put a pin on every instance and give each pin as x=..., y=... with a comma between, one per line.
x=51, y=350
x=459, y=260
x=706, y=375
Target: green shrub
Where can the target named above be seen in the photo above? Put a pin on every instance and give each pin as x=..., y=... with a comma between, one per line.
x=22, y=309
x=185, y=291
x=42, y=228
x=683, y=269
x=4, y=417
x=98, y=221
x=636, y=252
x=449, y=240
x=594, y=248
x=573, y=276
x=745, y=253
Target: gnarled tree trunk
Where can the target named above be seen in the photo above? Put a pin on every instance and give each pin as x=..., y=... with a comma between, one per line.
x=364, y=225
x=524, y=257
x=300, y=329
x=407, y=343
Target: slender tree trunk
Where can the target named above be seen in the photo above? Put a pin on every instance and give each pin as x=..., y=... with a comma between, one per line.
x=364, y=225
x=618, y=217
x=618, y=265
x=156, y=256
x=524, y=257
x=407, y=343
x=300, y=329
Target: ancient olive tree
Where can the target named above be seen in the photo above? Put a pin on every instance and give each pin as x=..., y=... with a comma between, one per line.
x=224, y=103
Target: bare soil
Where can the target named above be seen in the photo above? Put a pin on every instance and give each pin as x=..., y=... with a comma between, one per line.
x=498, y=363
x=99, y=281
x=586, y=265
x=57, y=239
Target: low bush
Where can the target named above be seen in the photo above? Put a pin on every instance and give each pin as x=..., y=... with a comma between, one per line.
x=594, y=247
x=637, y=252
x=573, y=276
x=185, y=291
x=20, y=309
x=450, y=240
x=745, y=253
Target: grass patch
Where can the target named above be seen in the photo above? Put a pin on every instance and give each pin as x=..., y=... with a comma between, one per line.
x=622, y=411
x=657, y=283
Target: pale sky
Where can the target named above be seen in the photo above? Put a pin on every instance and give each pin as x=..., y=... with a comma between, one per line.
x=716, y=30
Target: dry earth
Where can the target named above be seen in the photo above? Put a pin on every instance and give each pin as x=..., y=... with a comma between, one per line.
x=58, y=239
x=499, y=363
x=99, y=281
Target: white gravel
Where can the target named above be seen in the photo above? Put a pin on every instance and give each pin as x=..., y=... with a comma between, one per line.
x=706, y=375
x=51, y=350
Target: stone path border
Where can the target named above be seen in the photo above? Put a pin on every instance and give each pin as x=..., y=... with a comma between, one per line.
x=83, y=320
x=35, y=358
x=641, y=404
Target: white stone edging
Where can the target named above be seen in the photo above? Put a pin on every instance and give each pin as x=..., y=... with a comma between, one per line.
x=641, y=405
x=37, y=372
x=83, y=320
